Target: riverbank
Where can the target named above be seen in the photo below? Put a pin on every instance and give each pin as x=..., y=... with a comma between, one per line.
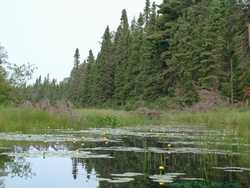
x=30, y=119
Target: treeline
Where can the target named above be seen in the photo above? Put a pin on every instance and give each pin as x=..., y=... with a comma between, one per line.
x=13, y=80
x=170, y=52
x=5, y=94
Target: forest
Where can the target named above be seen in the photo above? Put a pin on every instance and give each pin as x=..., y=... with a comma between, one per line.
x=169, y=52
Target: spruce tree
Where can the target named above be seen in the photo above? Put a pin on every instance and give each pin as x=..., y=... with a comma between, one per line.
x=151, y=75
x=106, y=69
x=147, y=11
x=121, y=55
x=135, y=61
x=74, y=87
x=89, y=81
x=82, y=75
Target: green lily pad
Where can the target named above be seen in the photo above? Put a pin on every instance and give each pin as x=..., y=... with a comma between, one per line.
x=232, y=169
x=70, y=154
x=165, y=178
x=128, y=174
x=117, y=180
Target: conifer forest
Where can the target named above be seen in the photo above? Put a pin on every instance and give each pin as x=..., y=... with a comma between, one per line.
x=170, y=51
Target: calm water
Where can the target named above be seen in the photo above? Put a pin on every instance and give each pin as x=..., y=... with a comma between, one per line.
x=114, y=158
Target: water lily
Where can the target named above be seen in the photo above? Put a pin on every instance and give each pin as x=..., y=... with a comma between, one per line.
x=161, y=168
x=162, y=183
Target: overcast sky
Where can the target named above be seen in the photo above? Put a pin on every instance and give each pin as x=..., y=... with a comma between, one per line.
x=46, y=32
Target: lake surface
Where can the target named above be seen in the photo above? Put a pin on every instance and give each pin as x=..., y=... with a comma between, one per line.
x=125, y=158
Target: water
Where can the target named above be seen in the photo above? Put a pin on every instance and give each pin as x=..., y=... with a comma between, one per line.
x=114, y=158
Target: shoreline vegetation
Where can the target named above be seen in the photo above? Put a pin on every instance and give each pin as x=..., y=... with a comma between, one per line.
x=30, y=119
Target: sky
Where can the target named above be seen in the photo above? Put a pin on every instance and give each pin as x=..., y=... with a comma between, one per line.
x=47, y=32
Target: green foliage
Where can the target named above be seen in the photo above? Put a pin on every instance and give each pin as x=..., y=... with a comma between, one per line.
x=32, y=120
x=202, y=50
x=121, y=56
x=105, y=67
x=74, y=86
x=171, y=50
x=88, y=85
x=106, y=121
x=21, y=74
x=28, y=119
x=4, y=91
x=4, y=85
x=45, y=89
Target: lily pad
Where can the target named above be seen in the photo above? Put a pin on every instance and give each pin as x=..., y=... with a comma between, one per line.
x=128, y=174
x=165, y=178
x=70, y=154
x=48, y=138
x=117, y=180
x=193, y=179
x=158, y=150
x=232, y=169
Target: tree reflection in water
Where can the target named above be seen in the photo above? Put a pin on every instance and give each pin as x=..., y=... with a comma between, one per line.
x=13, y=167
x=19, y=167
x=2, y=183
x=198, y=167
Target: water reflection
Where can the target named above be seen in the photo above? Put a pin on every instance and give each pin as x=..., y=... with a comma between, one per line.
x=154, y=159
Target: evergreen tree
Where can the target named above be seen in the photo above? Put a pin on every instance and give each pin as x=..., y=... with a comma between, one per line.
x=121, y=55
x=74, y=87
x=82, y=74
x=77, y=59
x=89, y=81
x=106, y=69
x=151, y=77
x=147, y=11
x=135, y=61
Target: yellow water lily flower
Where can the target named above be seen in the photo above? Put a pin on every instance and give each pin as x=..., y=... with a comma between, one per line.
x=162, y=183
x=161, y=168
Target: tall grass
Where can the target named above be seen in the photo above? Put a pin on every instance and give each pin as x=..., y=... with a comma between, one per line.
x=30, y=119
x=221, y=117
x=112, y=118
x=27, y=119
x=236, y=120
